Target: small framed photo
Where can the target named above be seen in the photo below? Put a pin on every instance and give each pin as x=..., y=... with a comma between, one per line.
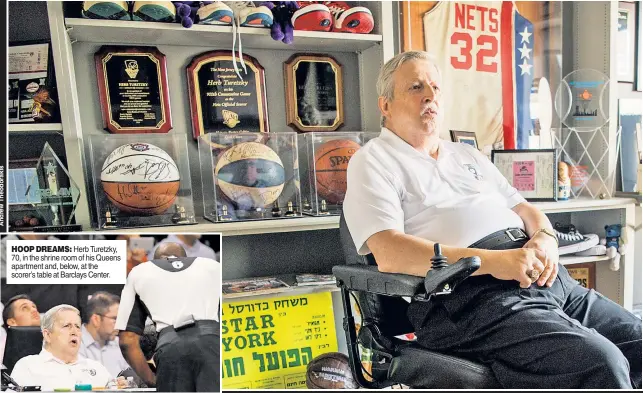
x=584, y=273
x=534, y=173
x=467, y=137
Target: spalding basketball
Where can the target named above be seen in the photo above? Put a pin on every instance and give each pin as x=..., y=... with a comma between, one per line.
x=330, y=371
x=140, y=179
x=250, y=174
x=331, y=161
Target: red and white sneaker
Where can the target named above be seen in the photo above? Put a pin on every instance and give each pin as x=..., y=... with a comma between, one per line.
x=312, y=16
x=350, y=19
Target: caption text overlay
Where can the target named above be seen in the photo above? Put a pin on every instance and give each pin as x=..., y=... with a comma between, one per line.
x=66, y=261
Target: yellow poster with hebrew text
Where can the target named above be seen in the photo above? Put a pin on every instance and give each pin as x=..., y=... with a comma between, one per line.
x=267, y=343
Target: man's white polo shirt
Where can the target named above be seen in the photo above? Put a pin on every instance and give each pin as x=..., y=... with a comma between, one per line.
x=51, y=373
x=455, y=200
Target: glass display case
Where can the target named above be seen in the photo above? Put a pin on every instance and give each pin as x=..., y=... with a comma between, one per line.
x=250, y=176
x=141, y=180
x=42, y=195
x=324, y=158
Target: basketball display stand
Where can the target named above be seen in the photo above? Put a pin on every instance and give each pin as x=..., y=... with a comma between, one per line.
x=250, y=176
x=141, y=180
x=592, y=167
x=324, y=158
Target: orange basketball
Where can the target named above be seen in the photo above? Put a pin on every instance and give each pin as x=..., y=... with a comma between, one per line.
x=140, y=179
x=331, y=161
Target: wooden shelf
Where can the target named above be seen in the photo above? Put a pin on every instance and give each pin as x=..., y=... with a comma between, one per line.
x=35, y=127
x=572, y=260
x=307, y=223
x=289, y=291
x=583, y=204
x=236, y=228
x=215, y=37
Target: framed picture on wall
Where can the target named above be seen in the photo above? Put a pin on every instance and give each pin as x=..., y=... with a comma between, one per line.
x=467, y=137
x=626, y=42
x=534, y=173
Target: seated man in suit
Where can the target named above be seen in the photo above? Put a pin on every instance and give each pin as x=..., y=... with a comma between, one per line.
x=20, y=310
x=58, y=365
x=521, y=313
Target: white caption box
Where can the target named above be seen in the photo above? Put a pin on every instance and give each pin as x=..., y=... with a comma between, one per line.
x=66, y=261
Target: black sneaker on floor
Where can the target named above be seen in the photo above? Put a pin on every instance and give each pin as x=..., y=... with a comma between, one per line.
x=571, y=241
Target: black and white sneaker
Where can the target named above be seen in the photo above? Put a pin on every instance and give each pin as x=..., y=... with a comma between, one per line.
x=571, y=241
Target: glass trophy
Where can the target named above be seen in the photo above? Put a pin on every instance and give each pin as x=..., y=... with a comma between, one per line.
x=582, y=100
x=45, y=196
x=584, y=142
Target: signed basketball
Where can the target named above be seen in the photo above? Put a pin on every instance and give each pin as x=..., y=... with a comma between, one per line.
x=140, y=179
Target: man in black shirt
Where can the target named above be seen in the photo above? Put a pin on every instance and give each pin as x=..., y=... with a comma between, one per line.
x=181, y=296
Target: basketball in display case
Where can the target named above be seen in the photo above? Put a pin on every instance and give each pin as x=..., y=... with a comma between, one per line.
x=148, y=192
x=324, y=159
x=249, y=176
x=141, y=180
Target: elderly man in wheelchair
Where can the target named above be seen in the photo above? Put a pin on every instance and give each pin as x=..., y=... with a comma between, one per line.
x=460, y=258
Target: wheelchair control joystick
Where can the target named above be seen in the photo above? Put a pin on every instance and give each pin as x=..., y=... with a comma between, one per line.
x=438, y=261
x=442, y=278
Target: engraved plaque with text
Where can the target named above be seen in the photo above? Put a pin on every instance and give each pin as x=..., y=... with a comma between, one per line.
x=133, y=89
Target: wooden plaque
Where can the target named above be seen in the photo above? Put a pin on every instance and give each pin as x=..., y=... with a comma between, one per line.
x=314, y=90
x=133, y=89
x=220, y=101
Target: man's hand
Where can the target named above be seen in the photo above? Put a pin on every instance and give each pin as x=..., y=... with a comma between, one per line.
x=515, y=264
x=549, y=257
x=129, y=343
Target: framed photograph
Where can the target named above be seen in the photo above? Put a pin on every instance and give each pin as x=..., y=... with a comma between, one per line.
x=32, y=96
x=626, y=42
x=314, y=88
x=584, y=273
x=534, y=173
x=467, y=137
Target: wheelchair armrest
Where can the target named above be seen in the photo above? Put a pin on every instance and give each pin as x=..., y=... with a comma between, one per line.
x=368, y=279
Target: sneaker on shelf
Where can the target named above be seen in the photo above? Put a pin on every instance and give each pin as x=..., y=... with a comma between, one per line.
x=154, y=11
x=349, y=19
x=247, y=14
x=571, y=241
x=114, y=10
x=312, y=16
x=216, y=13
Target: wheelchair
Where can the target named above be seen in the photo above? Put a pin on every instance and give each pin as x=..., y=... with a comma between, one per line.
x=380, y=297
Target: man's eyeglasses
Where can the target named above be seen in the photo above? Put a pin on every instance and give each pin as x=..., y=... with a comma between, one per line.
x=107, y=316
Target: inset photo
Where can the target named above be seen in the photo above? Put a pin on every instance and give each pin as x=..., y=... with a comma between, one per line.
x=117, y=311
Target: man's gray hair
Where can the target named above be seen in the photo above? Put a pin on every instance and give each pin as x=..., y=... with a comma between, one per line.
x=385, y=85
x=48, y=320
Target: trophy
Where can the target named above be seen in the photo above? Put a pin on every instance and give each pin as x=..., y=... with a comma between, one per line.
x=48, y=200
x=584, y=141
